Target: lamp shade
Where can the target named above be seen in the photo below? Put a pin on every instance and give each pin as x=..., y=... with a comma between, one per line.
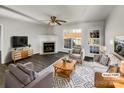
x=122, y=67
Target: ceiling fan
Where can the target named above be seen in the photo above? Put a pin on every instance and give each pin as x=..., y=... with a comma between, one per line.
x=54, y=21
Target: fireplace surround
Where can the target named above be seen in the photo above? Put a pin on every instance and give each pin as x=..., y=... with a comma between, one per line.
x=48, y=44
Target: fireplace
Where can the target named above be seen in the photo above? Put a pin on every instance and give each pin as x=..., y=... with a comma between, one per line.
x=48, y=47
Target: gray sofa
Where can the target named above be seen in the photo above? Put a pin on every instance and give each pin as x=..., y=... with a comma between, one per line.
x=23, y=76
x=100, y=63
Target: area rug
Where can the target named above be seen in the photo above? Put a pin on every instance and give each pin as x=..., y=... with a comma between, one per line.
x=83, y=77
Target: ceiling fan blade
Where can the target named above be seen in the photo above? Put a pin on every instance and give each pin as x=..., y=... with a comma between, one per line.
x=44, y=20
x=58, y=23
x=62, y=21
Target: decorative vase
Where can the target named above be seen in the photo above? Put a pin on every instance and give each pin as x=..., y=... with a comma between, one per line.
x=29, y=45
x=64, y=61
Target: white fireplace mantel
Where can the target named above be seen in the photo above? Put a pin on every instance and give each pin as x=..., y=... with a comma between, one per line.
x=48, y=38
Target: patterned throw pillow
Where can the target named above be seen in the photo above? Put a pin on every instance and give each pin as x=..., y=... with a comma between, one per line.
x=104, y=60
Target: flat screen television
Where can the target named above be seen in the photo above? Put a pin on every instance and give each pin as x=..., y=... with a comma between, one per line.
x=119, y=46
x=19, y=41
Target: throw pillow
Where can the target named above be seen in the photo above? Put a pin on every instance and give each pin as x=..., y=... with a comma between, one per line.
x=104, y=60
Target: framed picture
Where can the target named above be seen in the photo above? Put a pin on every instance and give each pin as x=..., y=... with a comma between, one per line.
x=94, y=34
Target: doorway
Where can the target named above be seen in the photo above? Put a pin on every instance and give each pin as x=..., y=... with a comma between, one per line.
x=72, y=38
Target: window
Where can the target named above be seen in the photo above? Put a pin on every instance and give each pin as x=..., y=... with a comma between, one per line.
x=72, y=38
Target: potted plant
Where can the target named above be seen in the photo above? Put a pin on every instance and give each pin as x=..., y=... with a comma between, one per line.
x=64, y=61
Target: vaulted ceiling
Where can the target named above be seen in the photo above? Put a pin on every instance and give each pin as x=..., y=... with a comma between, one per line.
x=71, y=13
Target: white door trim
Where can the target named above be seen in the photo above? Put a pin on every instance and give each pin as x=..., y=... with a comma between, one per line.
x=2, y=49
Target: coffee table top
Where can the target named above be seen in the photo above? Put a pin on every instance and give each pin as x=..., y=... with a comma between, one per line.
x=66, y=66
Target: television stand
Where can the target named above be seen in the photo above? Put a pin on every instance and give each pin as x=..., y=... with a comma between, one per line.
x=21, y=54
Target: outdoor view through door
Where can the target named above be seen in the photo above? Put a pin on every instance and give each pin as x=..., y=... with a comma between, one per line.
x=72, y=38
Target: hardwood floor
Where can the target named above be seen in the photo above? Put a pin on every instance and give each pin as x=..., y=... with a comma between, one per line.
x=2, y=74
x=40, y=62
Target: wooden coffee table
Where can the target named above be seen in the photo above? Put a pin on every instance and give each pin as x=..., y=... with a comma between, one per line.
x=64, y=69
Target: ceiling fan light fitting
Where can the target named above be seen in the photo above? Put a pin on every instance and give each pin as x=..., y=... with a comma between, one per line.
x=53, y=24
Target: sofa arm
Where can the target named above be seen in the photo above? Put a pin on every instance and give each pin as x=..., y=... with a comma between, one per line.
x=119, y=79
x=11, y=81
x=29, y=65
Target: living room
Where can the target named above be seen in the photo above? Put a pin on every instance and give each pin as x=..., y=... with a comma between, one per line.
x=35, y=29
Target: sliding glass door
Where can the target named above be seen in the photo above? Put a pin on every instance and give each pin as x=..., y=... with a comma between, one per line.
x=72, y=38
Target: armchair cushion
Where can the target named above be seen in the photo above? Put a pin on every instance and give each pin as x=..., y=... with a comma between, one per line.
x=76, y=51
x=76, y=55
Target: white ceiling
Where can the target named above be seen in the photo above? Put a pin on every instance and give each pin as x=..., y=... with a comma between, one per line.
x=75, y=13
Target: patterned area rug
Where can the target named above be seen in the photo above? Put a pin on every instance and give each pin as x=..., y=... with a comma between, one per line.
x=83, y=77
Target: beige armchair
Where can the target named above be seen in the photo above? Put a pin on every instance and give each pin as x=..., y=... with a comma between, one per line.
x=77, y=54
